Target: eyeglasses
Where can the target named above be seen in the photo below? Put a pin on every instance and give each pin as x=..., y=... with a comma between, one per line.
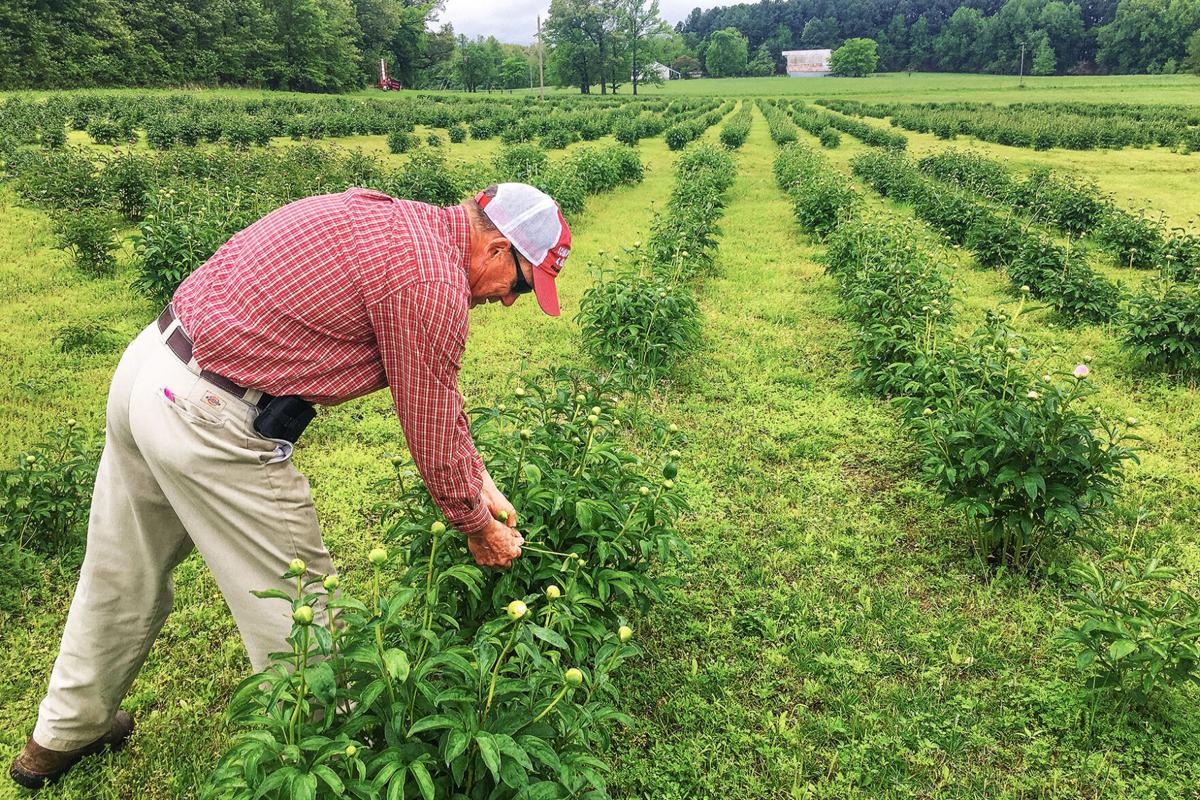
x=520, y=285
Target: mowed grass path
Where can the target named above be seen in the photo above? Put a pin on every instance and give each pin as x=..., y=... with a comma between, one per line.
x=179, y=700
x=833, y=637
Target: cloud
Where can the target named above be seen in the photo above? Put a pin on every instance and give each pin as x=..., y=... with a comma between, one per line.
x=515, y=21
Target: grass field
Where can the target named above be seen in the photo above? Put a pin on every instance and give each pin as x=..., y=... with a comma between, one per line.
x=936, y=87
x=832, y=636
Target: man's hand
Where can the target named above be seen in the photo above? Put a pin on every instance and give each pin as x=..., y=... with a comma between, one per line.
x=496, y=545
x=497, y=503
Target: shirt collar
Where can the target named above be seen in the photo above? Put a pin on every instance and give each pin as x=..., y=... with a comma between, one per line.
x=459, y=225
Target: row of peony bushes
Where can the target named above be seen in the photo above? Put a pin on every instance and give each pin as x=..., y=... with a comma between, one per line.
x=1053, y=272
x=737, y=128
x=1009, y=443
x=1077, y=207
x=187, y=120
x=870, y=134
x=1159, y=321
x=640, y=316
x=1041, y=126
x=680, y=134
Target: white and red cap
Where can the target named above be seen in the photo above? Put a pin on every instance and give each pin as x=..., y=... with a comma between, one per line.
x=531, y=220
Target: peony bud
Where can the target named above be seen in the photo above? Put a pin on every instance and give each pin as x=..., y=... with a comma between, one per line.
x=1081, y=372
x=351, y=750
x=553, y=592
x=303, y=615
x=573, y=677
x=377, y=556
x=437, y=528
x=624, y=633
x=516, y=609
x=1032, y=395
x=330, y=583
x=297, y=566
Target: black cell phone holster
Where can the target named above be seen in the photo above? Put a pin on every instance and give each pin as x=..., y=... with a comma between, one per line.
x=285, y=418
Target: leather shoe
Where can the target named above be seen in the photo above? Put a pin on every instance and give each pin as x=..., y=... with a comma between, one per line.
x=38, y=766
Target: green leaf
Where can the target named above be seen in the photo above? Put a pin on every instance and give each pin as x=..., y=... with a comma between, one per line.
x=396, y=786
x=1121, y=648
x=274, y=594
x=330, y=777
x=583, y=514
x=489, y=752
x=396, y=661
x=274, y=780
x=424, y=782
x=549, y=636
x=304, y=787
x=432, y=723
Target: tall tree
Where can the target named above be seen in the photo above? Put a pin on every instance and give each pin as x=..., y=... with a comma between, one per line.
x=727, y=54
x=640, y=20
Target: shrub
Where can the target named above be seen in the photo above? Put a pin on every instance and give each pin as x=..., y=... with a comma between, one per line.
x=737, y=129
x=457, y=134
x=127, y=178
x=1161, y=326
x=1135, y=240
x=1134, y=634
x=1021, y=457
x=44, y=500
x=636, y=323
x=522, y=163
x=428, y=178
x=53, y=134
x=829, y=138
x=62, y=179
x=85, y=337
x=821, y=199
x=468, y=682
x=89, y=235
x=558, y=137
x=433, y=140
x=402, y=142
x=180, y=232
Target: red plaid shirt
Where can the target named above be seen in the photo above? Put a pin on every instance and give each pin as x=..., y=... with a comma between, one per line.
x=336, y=296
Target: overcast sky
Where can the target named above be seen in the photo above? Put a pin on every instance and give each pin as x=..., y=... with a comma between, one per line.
x=515, y=21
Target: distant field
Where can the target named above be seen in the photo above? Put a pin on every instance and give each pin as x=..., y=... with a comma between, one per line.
x=945, y=87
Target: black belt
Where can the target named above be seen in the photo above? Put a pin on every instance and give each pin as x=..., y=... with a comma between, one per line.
x=179, y=344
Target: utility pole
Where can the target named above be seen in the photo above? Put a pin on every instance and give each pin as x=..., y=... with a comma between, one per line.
x=1022, y=81
x=541, y=64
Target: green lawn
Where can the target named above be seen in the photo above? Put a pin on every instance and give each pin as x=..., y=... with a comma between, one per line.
x=832, y=637
x=940, y=87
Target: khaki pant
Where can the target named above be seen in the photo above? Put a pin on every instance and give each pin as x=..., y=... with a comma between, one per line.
x=182, y=468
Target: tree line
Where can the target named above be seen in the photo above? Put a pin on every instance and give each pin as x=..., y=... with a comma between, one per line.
x=303, y=45
x=1056, y=37
x=594, y=45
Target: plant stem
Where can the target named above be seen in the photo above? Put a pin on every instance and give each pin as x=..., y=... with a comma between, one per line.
x=496, y=671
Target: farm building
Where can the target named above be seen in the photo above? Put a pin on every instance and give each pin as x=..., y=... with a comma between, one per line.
x=807, y=63
x=662, y=71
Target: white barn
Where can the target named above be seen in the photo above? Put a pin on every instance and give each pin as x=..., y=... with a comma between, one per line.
x=662, y=71
x=807, y=63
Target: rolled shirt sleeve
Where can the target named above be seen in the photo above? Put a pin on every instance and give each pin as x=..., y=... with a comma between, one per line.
x=422, y=333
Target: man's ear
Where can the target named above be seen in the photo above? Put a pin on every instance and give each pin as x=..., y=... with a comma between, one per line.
x=497, y=246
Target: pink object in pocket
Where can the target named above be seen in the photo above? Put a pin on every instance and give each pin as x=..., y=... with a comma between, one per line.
x=167, y=393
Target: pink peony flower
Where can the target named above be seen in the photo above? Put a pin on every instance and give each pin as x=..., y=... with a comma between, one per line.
x=1081, y=371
